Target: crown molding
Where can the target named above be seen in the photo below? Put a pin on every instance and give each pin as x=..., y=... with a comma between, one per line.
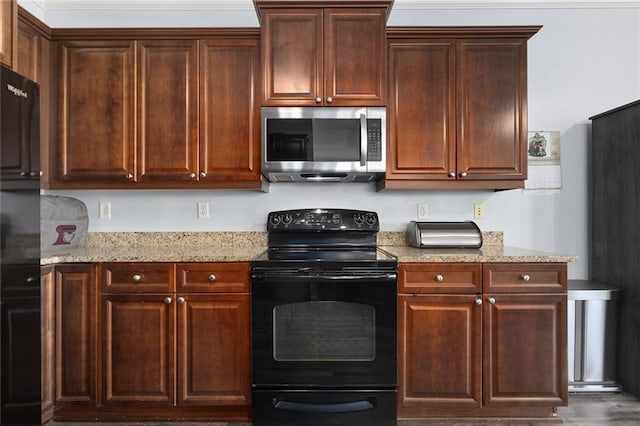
x=247, y=5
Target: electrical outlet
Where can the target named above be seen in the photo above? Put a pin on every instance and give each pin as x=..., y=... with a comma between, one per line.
x=104, y=211
x=423, y=211
x=478, y=211
x=203, y=210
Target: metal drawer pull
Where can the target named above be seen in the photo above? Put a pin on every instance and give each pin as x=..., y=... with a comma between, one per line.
x=526, y=277
x=32, y=280
x=167, y=300
x=136, y=278
x=439, y=278
x=181, y=300
x=212, y=278
x=491, y=300
x=478, y=301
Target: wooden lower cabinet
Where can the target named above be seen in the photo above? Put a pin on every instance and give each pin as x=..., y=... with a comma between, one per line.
x=525, y=351
x=213, y=350
x=485, y=354
x=75, y=335
x=137, y=349
x=152, y=341
x=440, y=351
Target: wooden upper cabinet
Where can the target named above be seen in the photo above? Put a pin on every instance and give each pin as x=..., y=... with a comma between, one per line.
x=30, y=55
x=492, y=108
x=96, y=127
x=458, y=111
x=158, y=112
x=421, y=127
x=167, y=110
x=8, y=20
x=229, y=110
x=323, y=55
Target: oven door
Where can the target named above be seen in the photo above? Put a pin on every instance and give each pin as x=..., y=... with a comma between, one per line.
x=324, y=329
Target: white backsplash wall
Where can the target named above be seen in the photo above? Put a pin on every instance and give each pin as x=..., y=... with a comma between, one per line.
x=585, y=60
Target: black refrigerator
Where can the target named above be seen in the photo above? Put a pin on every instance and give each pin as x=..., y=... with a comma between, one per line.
x=20, y=323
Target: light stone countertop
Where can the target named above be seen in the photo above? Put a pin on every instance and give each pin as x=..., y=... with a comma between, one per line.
x=243, y=246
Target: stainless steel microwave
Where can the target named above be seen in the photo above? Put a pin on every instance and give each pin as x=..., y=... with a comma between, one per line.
x=323, y=144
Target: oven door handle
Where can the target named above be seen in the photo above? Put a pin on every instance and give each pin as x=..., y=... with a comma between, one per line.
x=340, y=407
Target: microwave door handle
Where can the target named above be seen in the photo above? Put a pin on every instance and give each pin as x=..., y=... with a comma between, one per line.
x=363, y=140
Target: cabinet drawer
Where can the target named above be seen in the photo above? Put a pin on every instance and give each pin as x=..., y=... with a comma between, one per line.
x=524, y=277
x=440, y=278
x=138, y=277
x=213, y=277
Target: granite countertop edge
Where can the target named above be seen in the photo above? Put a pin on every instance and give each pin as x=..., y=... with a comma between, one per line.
x=184, y=247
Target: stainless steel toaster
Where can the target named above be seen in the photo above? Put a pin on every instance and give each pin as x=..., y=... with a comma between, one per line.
x=464, y=234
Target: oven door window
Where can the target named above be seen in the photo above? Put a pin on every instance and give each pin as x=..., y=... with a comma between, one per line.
x=324, y=331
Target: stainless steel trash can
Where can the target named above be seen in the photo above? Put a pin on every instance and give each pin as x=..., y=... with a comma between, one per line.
x=592, y=314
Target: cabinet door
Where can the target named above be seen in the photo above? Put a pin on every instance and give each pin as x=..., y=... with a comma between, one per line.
x=20, y=361
x=229, y=112
x=439, y=352
x=525, y=350
x=492, y=108
x=355, y=60
x=29, y=52
x=421, y=124
x=167, y=110
x=75, y=335
x=47, y=339
x=214, y=350
x=138, y=341
x=8, y=17
x=96, y=118
x=292, y=56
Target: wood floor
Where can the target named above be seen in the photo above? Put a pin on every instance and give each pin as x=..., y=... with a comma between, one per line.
x=601, y=409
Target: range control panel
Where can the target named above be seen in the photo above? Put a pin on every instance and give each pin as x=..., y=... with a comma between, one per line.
x=323, y=220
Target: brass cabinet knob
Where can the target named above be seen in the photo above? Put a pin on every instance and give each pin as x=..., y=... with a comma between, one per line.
x=318, y=99
x=192, y=175
x=329, y=99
